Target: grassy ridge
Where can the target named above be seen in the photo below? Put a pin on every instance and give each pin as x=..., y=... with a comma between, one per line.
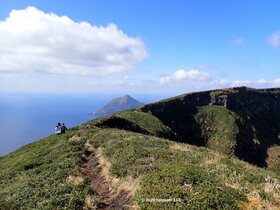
x=218, y=128
x=196, y=178
x=137, y=145
x=34, y=177
x=136, y=120
x=245, y=132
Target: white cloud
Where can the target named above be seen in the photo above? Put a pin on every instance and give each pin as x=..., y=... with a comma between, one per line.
x=36, y=42
x=195, y=80
x=260, y=83
x=239, y=83
x=274, y=39
x=183, y=75
x=237, y=41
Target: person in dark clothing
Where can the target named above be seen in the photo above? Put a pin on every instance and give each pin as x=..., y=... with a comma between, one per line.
x=63, y=128
x=58, y=128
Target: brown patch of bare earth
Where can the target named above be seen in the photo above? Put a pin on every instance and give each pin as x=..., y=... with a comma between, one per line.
x=110, y=191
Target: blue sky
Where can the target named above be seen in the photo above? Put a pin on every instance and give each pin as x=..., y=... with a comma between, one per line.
x=166, y=46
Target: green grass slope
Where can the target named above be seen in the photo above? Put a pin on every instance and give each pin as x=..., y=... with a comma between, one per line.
x=246, y=125
x=170, y=174
x=192, y=177
x=137, y=121
x=150, y=152
x=243, y=121
x=218, y=128
x=35, y=176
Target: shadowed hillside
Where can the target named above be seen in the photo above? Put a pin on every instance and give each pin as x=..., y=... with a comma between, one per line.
x=241, y=121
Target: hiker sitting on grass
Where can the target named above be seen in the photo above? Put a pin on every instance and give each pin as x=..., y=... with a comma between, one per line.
x=58, y=129
x=63, y=128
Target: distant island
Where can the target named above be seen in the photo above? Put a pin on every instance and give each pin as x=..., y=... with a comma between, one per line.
x=118, y=104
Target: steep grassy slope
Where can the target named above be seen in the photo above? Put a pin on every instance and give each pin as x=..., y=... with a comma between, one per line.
x=218, y=128
x=246, y=119
x=137, y=121
x=137, y=154
x=35, y=176
x=240, y=121
x=192, y=177
x=166, y=174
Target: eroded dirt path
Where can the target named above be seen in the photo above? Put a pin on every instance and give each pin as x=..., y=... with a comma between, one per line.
x=108, y=197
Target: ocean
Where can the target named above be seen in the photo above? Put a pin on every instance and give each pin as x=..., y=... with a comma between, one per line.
x=25, y=118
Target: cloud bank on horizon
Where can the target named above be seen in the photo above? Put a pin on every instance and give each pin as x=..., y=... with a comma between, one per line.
x=36, y=48
x=197, y=77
